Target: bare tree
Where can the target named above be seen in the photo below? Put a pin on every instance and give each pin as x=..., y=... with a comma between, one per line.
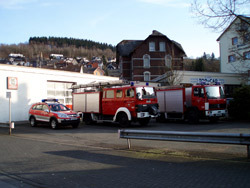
x=218, y=14
x=173, y=75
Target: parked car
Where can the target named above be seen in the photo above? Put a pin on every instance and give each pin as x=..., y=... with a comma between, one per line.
x=52, y=112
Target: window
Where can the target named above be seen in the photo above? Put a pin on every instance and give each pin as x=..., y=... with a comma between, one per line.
x=58, y=107
x=168, y=61
x=146, y=61
x=235, y=41
x=162, y=47
x=246, y=55
x=198, y=92
x=45, y=108
x=151, y=46
x=146, y=76
x=145, y=92
x=231, y=58
x=34, y=107
x=118, y=93
x=110, y=94
x=39, y=107
x=214, y=92
x=130, y=93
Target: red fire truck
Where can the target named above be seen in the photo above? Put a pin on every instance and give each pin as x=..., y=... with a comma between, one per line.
x=115, y=102
x=192, y=103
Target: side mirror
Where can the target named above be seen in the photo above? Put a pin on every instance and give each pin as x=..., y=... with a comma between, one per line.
x=138, y=95
x=46, y=110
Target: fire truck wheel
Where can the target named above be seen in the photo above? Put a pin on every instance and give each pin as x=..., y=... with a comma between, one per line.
x=88, y=119
x=144, y=121
x=123, y=120
x=32, y=122
x=161, y=118
x=53, y=123
x=193, y=116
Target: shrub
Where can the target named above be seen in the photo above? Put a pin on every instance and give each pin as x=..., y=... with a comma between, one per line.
x=239, y=107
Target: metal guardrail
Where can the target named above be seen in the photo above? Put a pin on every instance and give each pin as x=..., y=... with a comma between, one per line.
x=201, y=137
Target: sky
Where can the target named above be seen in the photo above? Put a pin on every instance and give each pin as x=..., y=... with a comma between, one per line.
x=106, y=21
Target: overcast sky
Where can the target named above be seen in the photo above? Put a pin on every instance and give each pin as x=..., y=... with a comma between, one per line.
x=108, y=21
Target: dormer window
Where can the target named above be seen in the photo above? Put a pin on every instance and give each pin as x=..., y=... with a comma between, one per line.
x=152, y=46
x=162, y=46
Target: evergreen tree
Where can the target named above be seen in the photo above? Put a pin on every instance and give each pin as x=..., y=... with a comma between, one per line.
x=104, y=60
x=239, y=106
x=199, y=66
x=204, y=55
x=212, y=56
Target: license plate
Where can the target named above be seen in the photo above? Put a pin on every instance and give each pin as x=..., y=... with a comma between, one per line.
x=73, y=118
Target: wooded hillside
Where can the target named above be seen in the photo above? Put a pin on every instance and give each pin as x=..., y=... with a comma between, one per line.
x=69, y=47
x=64, y=42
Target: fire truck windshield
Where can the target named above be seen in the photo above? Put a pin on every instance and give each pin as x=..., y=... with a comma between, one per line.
x=215, y=92
x=145, y=92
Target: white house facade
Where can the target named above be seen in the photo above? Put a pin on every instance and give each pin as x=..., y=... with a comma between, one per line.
x=235, y=46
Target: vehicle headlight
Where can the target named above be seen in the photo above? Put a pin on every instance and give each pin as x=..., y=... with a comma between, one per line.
x=62, y=115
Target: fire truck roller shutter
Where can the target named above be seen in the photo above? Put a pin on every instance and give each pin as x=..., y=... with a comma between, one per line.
x=125, y=110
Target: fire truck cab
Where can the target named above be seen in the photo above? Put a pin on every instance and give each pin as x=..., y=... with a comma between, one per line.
x=209, y=99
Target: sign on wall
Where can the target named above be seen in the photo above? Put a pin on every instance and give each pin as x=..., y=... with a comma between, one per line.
x=12, y=83
x=207, y=79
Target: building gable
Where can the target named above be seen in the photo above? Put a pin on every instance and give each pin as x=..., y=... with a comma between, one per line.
x=242, y=18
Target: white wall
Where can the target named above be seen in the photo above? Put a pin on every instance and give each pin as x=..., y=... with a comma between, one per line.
x=32, y=87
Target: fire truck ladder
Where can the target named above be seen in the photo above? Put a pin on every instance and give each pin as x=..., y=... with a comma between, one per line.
x=101, y=84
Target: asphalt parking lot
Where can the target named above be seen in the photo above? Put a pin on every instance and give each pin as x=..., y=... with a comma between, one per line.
x=94, y=156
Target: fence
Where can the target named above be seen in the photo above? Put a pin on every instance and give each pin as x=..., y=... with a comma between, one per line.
x=200, y=137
